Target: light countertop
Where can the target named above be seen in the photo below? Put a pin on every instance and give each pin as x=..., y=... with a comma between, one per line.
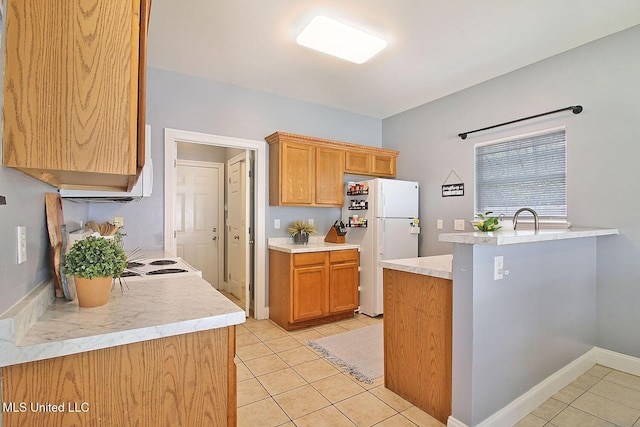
x=436, y=266
x=316, y=244
x=149, y=309
x=511, y=237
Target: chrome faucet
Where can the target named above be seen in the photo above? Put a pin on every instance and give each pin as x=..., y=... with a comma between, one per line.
x=536, y=225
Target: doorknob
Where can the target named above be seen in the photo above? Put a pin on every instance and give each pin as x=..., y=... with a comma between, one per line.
x=215, y=238
x=236, y=237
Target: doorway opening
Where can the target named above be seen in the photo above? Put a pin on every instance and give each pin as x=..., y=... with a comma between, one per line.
x=227, y=223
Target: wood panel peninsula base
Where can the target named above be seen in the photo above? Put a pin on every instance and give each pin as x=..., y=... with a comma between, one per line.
x=418, y=339
x=183, y=380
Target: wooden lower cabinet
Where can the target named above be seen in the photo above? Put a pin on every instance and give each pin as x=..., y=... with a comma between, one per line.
x=183, y=380
x=417, y=340
x=343, y=277
x=311, y=288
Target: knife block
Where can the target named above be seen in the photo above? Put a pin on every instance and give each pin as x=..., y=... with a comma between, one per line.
x=332, y=236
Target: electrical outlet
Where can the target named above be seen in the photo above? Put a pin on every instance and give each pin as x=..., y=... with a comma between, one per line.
x=439, y=224
x=22, y=243
x=458, y=224
x=276, y=224
x=311, y=221
x=498, y=268
x=119, y=221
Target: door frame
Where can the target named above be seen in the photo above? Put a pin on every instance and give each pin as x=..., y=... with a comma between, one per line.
x=220, y=167
x=171, y=139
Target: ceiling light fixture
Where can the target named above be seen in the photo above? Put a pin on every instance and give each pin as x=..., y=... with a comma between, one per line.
x=341, y=40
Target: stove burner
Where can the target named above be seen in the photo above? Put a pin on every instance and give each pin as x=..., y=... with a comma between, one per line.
x=129, y=274
x=167, y=271
x=133, y=264
x=163, y=262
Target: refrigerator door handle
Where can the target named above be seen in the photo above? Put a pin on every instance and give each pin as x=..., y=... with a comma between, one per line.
x=382, y=199
x=381, y=227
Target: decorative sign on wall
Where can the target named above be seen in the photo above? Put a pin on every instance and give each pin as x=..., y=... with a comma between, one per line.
x=452, y=189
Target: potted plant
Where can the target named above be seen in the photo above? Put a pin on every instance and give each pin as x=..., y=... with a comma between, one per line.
x=300, y=231
x=487, y=223
x=94, y=262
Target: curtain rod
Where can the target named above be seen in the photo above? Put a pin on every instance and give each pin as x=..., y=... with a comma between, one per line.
x=576, y=109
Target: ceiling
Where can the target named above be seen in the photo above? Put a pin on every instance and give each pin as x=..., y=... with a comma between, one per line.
x=435, y=47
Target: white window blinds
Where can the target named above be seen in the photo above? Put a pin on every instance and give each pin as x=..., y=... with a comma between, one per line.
x=527, y=171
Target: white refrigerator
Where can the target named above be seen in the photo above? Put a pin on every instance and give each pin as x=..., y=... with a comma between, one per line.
x=382, y=216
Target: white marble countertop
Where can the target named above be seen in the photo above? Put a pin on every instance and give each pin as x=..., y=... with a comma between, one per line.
x=511, y=237
x=436, y=266
x=149, y=309
x=316, y=244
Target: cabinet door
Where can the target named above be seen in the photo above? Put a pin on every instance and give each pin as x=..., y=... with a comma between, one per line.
x=384, y=166
x=310, y=286
x=297, y=169
x=71, y=104
x=357, y=163
x=343, y=287
x=329, y=176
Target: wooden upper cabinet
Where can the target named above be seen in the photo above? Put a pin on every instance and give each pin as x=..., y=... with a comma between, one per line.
x=302, y=174
x=357, y=163
x=74, y=92
x=307, y=171
x=374, y=164
x=382, y=165
x=329, y=176
x=297, y=173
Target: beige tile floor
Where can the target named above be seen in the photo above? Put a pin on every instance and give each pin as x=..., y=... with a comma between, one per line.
x=283, y=382
x=601, y=397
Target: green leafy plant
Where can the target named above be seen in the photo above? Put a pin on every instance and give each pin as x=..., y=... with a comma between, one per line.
x=301, y=227
x=95, y=257
x=487, y=222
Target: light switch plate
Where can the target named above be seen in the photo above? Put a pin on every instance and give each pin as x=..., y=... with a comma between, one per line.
x=276, y=224
x=439, y=224
x=119, y=221
x=22, y=243
x=498, y=268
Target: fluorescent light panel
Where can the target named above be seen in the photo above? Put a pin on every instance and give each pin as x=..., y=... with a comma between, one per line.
x=341, y=40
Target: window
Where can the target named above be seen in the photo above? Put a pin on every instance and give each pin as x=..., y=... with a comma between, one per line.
x=524, y=171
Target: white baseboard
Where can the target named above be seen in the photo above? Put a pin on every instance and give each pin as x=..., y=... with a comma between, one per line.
x=618, y=361
x=523, y=405
x=453, y=422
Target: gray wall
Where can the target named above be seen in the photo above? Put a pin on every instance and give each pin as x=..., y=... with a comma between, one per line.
x=189, y=103
x=25, y=206
x=523, y=328
x=603, y=149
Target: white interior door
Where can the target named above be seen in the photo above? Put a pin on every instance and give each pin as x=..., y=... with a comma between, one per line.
x=198, y=216
x=238, y=259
